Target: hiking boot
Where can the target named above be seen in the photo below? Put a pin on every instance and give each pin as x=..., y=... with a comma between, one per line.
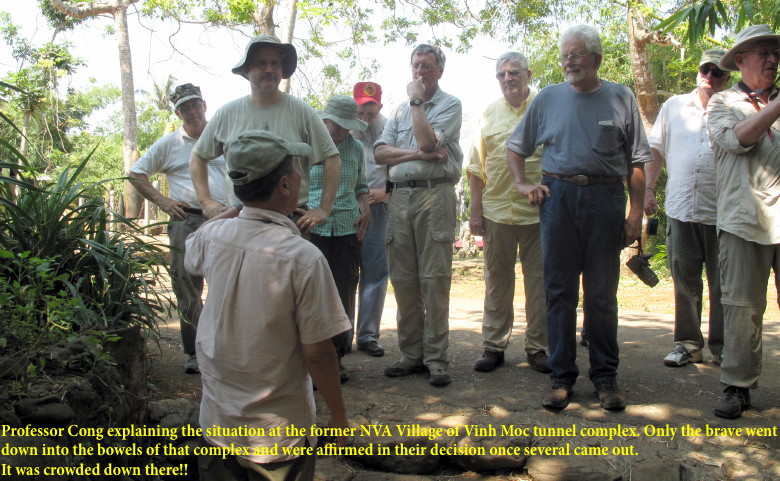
x=191, y=365
x=439, y=378
x=609, y=395
x=401, y=370
x=538, y=361
x=682, y=356
x=489, y=361
x=732, y=403
x=557, y=397
x=372, y=348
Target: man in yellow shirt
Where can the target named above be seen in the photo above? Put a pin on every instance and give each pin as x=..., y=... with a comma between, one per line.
x=506, y=220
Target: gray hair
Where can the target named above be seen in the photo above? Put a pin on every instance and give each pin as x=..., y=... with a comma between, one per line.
x=510, y=56
x=588, y=34
x=424, y=48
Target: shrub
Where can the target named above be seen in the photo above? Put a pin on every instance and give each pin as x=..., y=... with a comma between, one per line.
x=68, y=263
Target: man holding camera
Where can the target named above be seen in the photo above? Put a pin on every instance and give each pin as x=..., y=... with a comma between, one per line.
x=680, y=138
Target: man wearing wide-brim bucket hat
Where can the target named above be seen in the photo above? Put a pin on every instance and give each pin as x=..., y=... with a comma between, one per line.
x=265, y=62
x=745, y=133
x=339, y=237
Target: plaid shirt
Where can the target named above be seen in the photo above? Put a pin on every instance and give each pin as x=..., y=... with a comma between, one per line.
x=352, y=183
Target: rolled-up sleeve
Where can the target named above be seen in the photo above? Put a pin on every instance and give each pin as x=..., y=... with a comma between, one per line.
x=723, y=113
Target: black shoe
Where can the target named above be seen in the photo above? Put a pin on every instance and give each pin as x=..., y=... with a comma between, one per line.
x=733, y=402
x=558, y=396
x=372, y=348
x=343, y=373
x=538, y=361
x=401, y=370
x=439, y=378
x=489, y=361
x=609, y=395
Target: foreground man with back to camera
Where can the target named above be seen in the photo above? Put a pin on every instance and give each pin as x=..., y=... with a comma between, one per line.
x=593, y=138
x=259, y=354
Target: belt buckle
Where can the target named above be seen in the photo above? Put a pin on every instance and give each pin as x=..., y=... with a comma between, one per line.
x=580, y=179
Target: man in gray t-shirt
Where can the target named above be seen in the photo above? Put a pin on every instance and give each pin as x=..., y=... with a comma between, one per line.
x=265, y=63
x=593, y=139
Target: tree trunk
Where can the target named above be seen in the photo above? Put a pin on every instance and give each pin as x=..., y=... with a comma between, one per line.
x=133, y=201
x=644, y=80
x=289, y=34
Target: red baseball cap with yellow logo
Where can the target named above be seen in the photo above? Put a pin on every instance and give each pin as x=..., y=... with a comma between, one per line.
x=368, y=92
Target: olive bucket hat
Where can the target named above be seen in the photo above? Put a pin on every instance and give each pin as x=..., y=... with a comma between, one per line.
x=289, y=54
x=343, y=111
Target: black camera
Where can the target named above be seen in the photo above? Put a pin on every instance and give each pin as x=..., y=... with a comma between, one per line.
x=652, y=226
x=640, y=265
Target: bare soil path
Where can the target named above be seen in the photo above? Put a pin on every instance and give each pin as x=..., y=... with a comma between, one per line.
x=658, y=397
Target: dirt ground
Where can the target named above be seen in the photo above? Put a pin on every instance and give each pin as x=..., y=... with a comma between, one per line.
x=658, y=397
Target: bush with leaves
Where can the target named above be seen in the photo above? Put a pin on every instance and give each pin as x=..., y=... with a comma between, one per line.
x=68, y=263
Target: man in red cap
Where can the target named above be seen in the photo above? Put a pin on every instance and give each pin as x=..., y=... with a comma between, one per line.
x=373, y=262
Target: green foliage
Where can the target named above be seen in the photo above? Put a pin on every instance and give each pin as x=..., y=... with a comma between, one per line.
x=67, y=262
x=702, y=18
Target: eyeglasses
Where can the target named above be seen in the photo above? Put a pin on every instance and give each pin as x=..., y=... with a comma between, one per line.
x=422, y=66
x=366, y=116
x=575, y=57
x=764, y=53
x=705, y=70
x=512, y=73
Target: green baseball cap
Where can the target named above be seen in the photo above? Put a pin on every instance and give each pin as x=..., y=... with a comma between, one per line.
x=255, y=153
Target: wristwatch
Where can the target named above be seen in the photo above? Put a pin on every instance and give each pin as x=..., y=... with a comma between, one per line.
x=416, y=102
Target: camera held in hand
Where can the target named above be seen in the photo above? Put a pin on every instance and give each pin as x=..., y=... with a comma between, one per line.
x=640, y=265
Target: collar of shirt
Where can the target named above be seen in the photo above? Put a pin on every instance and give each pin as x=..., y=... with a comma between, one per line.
x=264, y=215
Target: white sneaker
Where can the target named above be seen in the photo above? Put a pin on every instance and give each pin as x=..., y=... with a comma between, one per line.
x=682, y=356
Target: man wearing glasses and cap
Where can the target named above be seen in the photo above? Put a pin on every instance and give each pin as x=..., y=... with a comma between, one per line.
x=265, y=63
x=679, y=137
x=745, y=132
x=420, y=144
x=170, y=155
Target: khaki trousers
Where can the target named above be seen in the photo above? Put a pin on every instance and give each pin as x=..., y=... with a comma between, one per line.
x=744, y=273
x=420, y=234
x=501, y=247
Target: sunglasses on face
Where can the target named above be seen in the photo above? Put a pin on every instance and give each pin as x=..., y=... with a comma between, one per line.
x=705, y=70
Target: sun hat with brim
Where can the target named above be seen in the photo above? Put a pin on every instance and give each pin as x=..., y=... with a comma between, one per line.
x=289, y=55
x=343, y=111
x=255, y=153
x=184, y=93
x=752, y=34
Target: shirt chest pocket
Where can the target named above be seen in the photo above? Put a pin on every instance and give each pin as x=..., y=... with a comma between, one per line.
x=607, y=140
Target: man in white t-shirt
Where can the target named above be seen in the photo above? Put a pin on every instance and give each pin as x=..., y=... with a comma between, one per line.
x=170, y=156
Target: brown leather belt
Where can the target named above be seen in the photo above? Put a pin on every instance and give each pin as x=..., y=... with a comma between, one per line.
x=582, y=179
